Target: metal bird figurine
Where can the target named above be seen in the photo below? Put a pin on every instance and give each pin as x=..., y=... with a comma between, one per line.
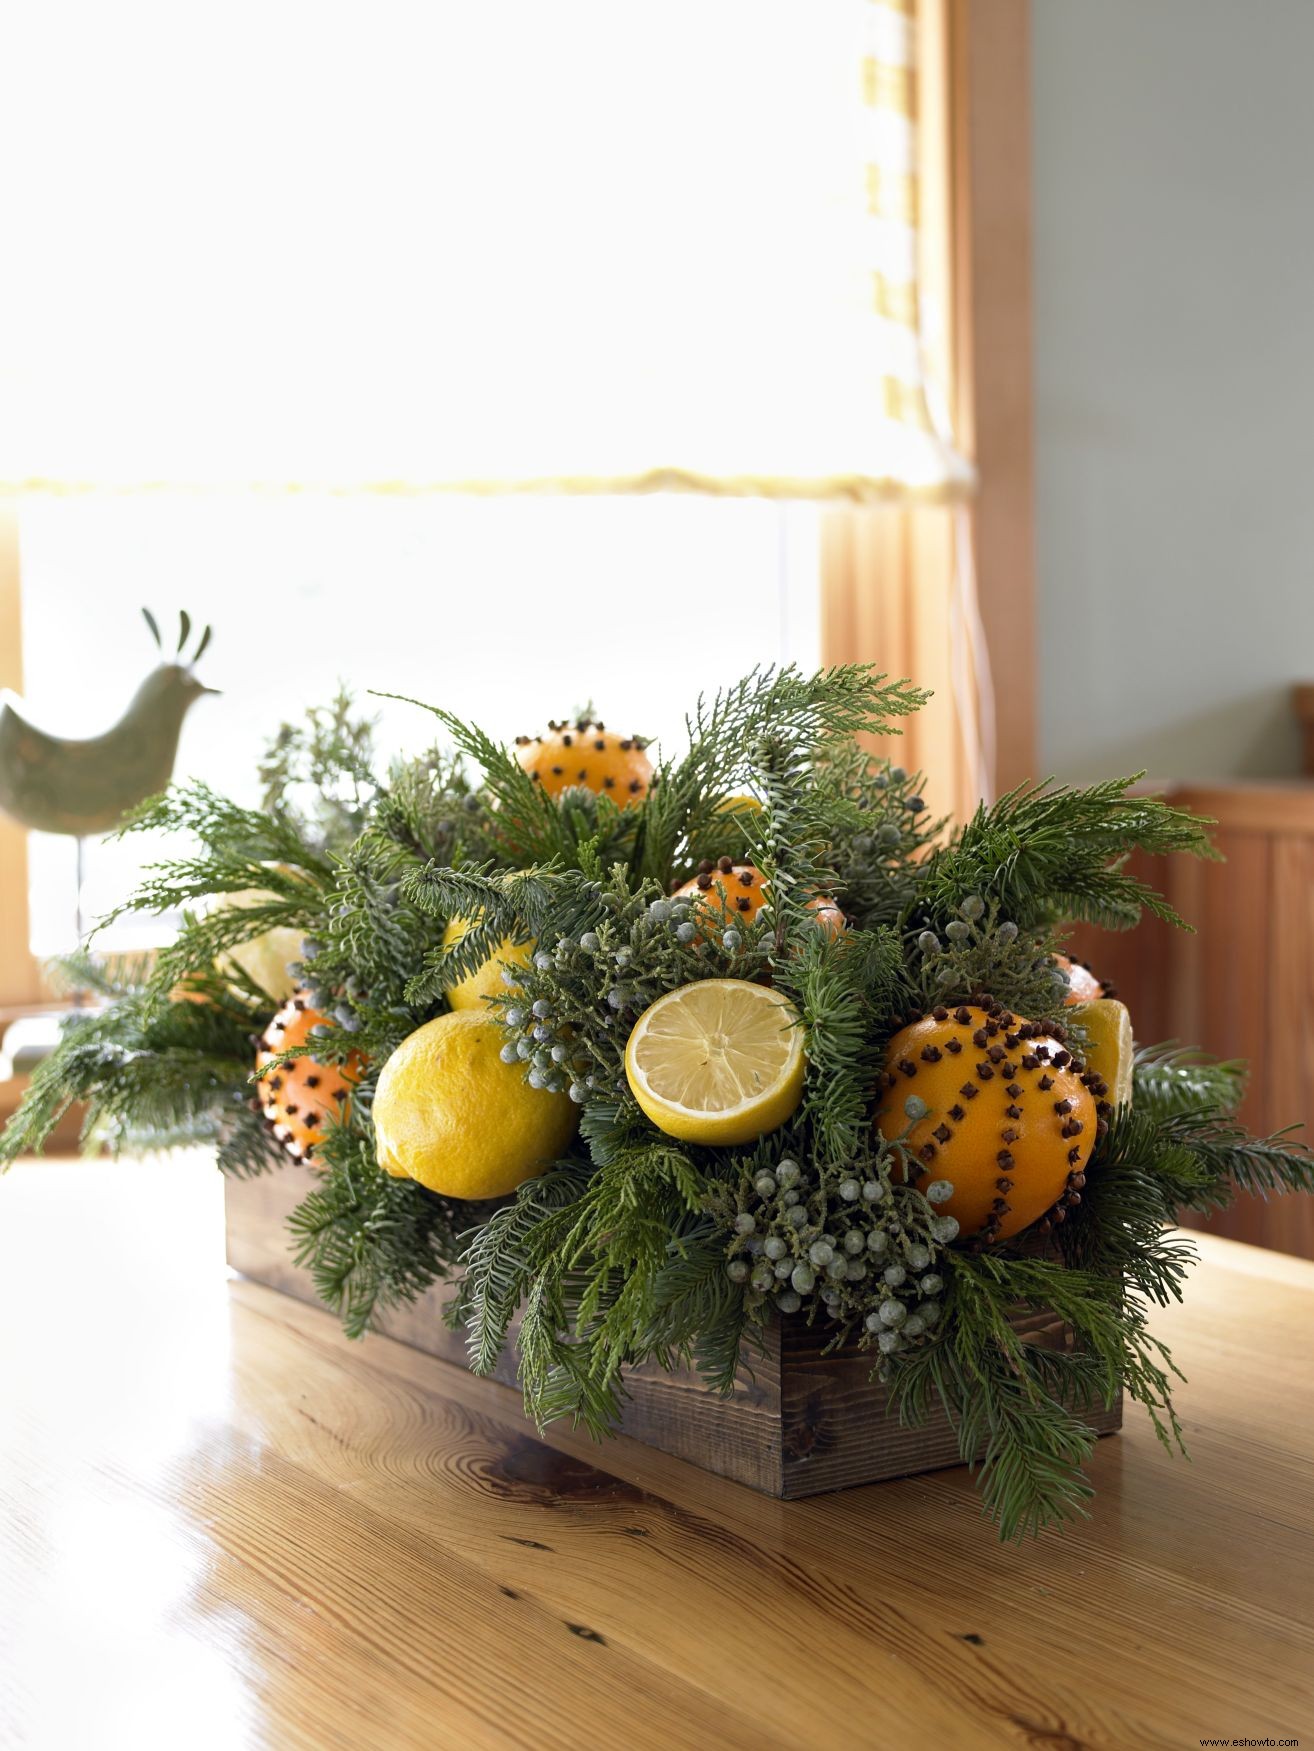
x=58, y=785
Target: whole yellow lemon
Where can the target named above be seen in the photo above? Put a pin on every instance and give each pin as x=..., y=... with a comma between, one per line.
x=265, y=957
x=487, y=980
x=450, y=1114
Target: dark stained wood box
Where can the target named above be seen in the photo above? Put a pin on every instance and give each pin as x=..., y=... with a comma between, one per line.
x=798, y=1424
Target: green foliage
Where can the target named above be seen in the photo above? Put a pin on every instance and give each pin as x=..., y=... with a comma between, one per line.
x=150, y=1076
x=320, y=773
x=1049, y=854
x=635, y=1248
x=372, y=1242
x=1018, y=1403
x=1172, y=1079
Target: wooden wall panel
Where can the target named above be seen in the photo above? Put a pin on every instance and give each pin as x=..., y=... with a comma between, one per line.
x=1243, y=985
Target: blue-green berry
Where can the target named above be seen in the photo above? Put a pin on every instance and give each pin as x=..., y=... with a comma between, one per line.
x=796, y=1216
x=803, y=1278
x=878, y=1241
x=737, y=1271
x=510, y=1052
x=931, y=1284
x=765, y=1185
x=945, y=1229
x=787, y=1172
x=872, y=1191
x=915, y=1107
x=775, y=1247
x=1007, y=932
x=685, y=932
x=821, y=1252
x=892, y=1312
x=917, y=1256
x=855, y=1242
x=849, y=1190
x=578, y=1093
x=589, y=941
x=731, y=941
x=542, y=960
x=957, y=931
x=929, y=943
x=789, y=1301
x=745, y=1222
x=939, y=1191
x=888, y=1342
x=894, y=1275
x=515, y=1016
x=972, y=908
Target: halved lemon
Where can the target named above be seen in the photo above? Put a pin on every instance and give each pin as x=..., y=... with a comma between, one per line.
x=717, y=1062
x=1110, y=1050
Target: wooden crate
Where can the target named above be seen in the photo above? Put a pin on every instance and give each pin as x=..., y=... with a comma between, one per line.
x=798, y=1424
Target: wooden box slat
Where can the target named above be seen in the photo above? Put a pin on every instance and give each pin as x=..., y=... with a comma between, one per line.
x=798, y=1423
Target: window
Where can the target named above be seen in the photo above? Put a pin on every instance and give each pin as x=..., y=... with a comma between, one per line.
x=502, y=610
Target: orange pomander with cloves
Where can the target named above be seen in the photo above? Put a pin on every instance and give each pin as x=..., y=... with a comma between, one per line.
x=1084, y=986
x=1001, y=1111
x=587, y=755
x=740, y=891
x=300, y=1097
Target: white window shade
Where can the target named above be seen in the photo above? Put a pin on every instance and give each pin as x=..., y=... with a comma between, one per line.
x=592, y=245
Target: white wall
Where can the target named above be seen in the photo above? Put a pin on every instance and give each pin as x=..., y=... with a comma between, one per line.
x=1174, y=263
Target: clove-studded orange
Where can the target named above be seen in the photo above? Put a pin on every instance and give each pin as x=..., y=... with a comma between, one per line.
x=589, y=755
x=300, y=1097
x=1084, y=986
x=739, y=890
x=1011, y=1115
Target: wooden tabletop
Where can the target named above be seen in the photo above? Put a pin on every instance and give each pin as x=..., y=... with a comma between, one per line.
x=223, y=1525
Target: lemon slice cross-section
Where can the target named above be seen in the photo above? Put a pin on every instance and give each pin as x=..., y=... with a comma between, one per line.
x=717, y=1062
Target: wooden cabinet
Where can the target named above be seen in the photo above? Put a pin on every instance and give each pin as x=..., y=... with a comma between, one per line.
x=1243, y=985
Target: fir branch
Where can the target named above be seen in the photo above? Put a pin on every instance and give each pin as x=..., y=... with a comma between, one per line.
x=1049, y=853
x=1171, y=1078
x=372, y=1242
x=844, y=988
x=1015, y=1407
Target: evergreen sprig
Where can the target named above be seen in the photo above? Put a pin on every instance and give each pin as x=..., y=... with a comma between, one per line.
x=1050, y=853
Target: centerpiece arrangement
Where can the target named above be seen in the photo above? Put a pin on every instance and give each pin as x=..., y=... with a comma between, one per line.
x=646, y=1054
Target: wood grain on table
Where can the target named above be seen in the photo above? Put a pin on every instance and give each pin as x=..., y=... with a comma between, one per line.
x=224, y=1525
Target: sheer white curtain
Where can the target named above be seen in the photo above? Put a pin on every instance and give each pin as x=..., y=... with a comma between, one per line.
x=422, y=242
